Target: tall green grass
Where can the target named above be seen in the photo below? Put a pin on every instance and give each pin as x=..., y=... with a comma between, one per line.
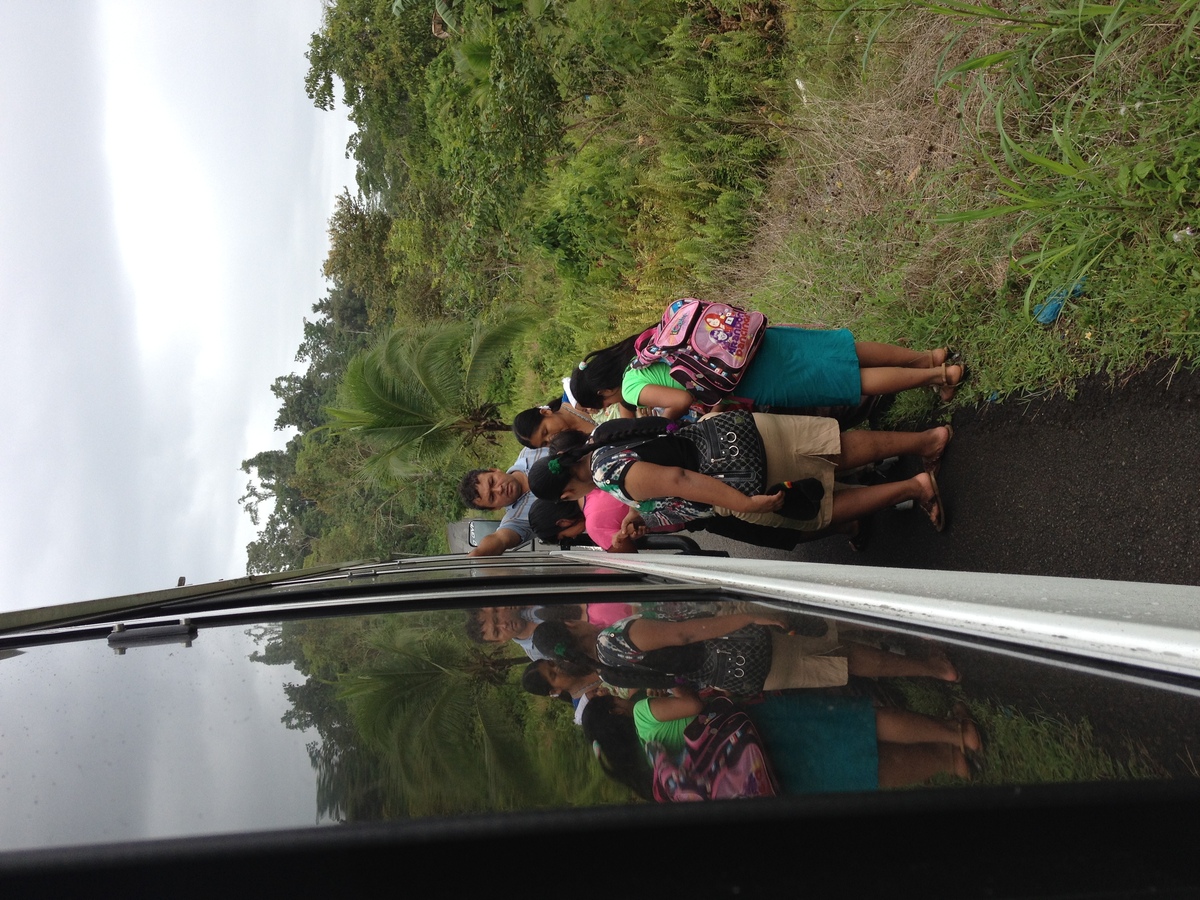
x=1094, y=122
x=1033, y=747
x=1095, y=117
x=951, y=166
x=664, y=164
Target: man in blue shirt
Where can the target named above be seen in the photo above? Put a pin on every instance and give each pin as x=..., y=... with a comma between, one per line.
x=493, y=489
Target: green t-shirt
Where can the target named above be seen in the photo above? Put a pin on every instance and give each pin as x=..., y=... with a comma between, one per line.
x=634, y=380
x=669, y=734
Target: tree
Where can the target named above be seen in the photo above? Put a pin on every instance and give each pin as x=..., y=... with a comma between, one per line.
x=380, y=61
x=358, y=236
x=294, y=521
x=281, y=545
x=431, y=706
x=423, y=393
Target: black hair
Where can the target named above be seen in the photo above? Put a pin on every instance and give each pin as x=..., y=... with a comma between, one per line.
x=572, y=670
x=544, y=516
x=468, y=488
x=527, y=420
x=602, y=370
x=475, y=625
x=549, y=476
x=534, y=682
x=659, y=668
x=545, y=482
x=618, y=431
x=620, y=750
x=571, y=445
x=554, y=641
x=566, y=612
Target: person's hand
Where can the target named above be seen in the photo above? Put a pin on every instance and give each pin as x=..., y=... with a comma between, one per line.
x=633, y=526
x=761, y=503
x=633, y=531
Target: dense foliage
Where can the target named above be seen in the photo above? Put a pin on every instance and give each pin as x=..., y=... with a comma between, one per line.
x=573, y=155
x=929, y=172
x=408, y=718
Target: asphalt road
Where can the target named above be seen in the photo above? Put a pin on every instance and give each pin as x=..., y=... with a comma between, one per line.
x=1102, y=485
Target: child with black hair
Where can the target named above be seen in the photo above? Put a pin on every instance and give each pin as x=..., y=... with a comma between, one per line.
x=558, y=522
x=615, y=741
x=656, y=471
x=793, y=368
x=741, y=654
x=535, y=426
x=816, y=741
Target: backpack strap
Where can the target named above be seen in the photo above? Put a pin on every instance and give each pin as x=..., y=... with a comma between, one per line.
x=631, y=431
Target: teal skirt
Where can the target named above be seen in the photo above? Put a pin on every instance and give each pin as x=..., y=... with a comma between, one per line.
x=803, y=367
x=819, y=742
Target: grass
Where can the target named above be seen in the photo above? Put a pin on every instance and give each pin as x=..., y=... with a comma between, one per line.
x=1036, y=747
x=977, y=164
x=938, y=171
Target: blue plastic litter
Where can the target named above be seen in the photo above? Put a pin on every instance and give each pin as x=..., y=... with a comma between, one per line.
x=1047, y=313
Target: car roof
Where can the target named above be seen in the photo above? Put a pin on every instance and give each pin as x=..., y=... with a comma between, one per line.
x=1130, y=632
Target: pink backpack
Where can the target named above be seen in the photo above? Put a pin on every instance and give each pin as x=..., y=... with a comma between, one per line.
x=707, y=345
x=723, y=759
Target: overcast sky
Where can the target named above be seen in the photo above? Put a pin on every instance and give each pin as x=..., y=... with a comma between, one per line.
x=164, y=191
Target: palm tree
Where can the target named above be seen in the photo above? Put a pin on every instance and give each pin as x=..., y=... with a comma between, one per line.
x=430, y=705
x=420, y=395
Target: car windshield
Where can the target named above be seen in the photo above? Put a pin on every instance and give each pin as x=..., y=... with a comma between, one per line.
x=249, y=726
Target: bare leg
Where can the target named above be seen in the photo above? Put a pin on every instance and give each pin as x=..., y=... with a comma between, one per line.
x=899, y=726
x=871, y=354
x=893, y=379
x=901, y=765
x=871, y=662
x=863, y=501
x=862, y=447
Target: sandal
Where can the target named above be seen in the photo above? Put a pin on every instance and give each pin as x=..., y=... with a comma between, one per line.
x=861, y=536
x=933, y=465
x=933, y=507
x=949, y=355
x=974, y=757
x=947, y=388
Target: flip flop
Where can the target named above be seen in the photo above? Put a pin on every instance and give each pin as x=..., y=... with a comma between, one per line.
x=862, y=535
x=941, y=389
x=934, y=508
x=975, y=758
x=952, y=357
x=933, y=466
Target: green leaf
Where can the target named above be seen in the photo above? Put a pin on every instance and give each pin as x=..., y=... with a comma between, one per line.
x=1123, y=177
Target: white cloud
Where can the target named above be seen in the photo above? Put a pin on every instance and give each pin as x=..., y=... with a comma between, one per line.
x=164, y=191
x=164, y=207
